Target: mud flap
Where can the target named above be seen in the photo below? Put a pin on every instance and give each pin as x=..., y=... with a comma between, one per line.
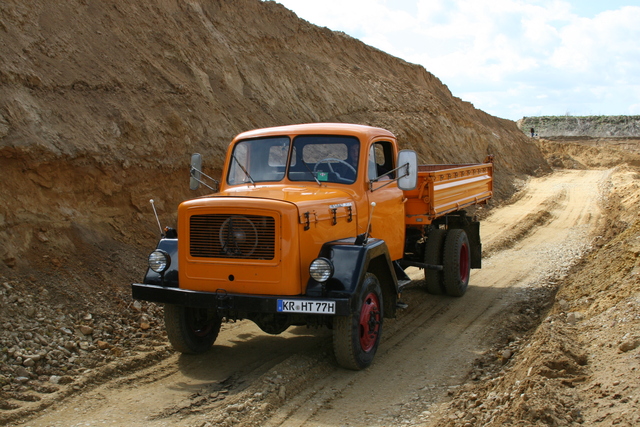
x=473, y=233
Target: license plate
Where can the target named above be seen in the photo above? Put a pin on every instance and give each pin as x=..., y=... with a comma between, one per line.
x=306, y=306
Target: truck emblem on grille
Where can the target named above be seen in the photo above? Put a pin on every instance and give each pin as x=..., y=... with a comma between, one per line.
x=238, y=236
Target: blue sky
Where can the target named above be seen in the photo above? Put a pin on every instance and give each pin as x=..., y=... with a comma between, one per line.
x=510, y=58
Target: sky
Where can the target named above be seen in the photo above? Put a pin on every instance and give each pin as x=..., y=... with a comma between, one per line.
x=510, y=58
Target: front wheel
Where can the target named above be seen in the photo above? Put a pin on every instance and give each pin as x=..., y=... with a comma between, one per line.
x=191, y=330
x=356, y=336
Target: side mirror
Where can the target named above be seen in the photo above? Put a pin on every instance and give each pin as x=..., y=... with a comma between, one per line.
x=407, y=170
x=196, y=171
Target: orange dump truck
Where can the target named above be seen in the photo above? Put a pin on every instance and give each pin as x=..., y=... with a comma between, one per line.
x=315, y=225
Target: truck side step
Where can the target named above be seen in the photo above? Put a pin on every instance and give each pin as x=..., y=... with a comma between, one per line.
x=403, y=282
x=401, y=275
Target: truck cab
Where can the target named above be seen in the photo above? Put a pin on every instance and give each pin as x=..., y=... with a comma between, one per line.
x=329, y=175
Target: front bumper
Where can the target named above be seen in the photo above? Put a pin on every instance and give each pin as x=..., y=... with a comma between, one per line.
x=224, y=302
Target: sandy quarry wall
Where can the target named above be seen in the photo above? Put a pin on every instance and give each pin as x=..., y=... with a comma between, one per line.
x=102, y=102
x=582, y=126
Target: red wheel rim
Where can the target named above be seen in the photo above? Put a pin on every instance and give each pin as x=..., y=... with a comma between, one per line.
x=464, y=263
x=199, y=323
x=369, y=322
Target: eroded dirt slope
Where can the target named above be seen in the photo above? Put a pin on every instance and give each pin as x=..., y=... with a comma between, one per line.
x=586, y=152
x=102, y=103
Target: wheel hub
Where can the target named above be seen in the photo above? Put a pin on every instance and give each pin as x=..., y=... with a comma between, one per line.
x=464, y=263
x=369, y=322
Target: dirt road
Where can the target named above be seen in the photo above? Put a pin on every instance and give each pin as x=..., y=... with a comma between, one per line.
x=251, y=378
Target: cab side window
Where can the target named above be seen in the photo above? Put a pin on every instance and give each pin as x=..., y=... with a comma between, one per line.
x=381, y=160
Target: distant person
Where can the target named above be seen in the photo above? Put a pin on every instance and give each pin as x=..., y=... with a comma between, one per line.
x=533, y=132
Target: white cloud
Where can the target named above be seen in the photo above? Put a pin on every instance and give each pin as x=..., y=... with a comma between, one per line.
x=507, y=57
x=604, y=48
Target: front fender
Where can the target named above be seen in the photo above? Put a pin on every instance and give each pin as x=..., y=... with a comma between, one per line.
x=351, y=263
x=170, y=277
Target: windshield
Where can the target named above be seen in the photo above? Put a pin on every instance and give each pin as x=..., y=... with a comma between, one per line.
x=315, y=158
x=324, y=158
x=258, y=160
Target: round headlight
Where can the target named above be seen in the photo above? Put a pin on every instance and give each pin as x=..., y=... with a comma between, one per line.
x=159, y=261
x=321, y=269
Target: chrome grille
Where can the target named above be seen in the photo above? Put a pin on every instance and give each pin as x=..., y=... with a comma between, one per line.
x=232, y=236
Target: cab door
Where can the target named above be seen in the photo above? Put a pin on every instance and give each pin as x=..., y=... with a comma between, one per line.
x=387, y=221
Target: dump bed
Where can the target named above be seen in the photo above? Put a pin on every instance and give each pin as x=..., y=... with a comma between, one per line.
x=443, y=189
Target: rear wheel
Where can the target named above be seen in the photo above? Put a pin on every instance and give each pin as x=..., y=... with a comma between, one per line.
x=456, y=262
x=356, y=337
x=433, y=256
x=191, y=330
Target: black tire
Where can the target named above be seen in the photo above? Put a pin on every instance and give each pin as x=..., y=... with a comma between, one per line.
x=456, y=262
x=191, y=330
x=433, y=255
x=356, y=337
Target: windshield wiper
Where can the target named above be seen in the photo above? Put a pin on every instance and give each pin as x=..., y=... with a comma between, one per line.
x=243, y=170
x=311, y=172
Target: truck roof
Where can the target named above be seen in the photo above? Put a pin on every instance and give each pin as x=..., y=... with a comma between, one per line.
x=318, y=128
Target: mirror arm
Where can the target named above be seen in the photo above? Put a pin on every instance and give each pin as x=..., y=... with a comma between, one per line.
x=217, y=183
x=405, y=166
